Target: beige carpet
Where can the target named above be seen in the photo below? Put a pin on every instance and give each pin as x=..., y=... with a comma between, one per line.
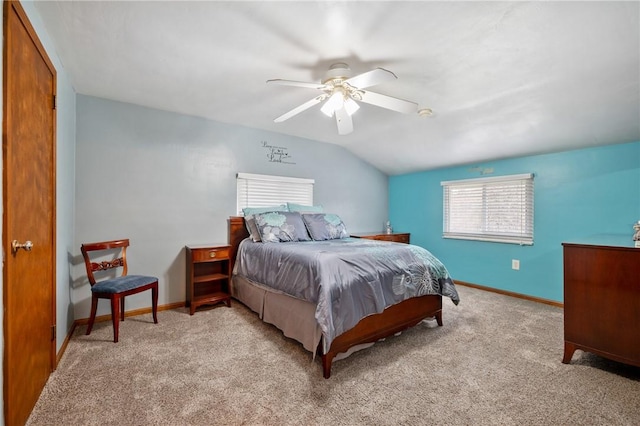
x=495, y=361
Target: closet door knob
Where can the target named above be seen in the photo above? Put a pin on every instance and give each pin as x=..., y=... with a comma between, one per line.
x=15, y=246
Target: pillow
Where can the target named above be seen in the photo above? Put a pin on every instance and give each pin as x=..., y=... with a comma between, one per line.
x=293, y=207
x=250, y=212
x=325, y=226
x=281, y=226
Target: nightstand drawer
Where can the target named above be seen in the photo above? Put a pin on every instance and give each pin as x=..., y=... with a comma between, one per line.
x=210, y=254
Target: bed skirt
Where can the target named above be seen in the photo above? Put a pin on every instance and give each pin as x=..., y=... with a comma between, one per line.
x=294, y=317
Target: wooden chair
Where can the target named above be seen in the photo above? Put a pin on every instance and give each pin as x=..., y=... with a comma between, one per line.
x=117, y=288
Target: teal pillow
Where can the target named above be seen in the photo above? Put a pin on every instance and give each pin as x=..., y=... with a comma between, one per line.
x=325, y=226
x=293, y=207
x=275, y=227
x=250, y=223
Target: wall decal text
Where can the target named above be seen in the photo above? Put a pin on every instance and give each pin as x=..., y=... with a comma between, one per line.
x=277, y=154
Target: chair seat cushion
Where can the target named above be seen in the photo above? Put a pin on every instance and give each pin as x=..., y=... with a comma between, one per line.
x=122, y=284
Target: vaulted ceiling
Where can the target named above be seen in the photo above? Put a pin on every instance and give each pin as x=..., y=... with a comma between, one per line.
x=503, y=79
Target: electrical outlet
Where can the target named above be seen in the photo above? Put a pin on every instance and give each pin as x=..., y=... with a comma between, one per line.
x=515, y=264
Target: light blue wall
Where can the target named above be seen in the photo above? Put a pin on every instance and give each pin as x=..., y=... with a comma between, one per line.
x=165, y=180
x=578, y=194
x=65, y=203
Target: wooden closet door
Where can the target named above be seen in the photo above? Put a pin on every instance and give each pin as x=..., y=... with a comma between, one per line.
x=29, y=215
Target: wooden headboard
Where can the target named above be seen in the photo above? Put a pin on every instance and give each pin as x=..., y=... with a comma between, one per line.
x=237, y=233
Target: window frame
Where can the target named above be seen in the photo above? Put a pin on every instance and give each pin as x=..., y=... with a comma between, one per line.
x=488, y=189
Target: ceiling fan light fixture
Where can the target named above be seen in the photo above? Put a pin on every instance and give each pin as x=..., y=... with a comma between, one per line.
x=327, y=109
x=351, y=106
x=335, y=102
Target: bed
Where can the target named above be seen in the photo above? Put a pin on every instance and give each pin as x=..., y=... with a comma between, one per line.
x=326, y=319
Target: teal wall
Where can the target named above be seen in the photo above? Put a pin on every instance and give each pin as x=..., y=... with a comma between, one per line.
x=578, y=194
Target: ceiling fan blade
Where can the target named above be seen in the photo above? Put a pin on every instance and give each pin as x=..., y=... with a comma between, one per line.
x=370, y=78
x=305, y=84
x=388, y=102
x=344, y=121
x=300, y=108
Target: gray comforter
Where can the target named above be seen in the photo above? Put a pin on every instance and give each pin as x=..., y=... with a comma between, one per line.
x=347, y=279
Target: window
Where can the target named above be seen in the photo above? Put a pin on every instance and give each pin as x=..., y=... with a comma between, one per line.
x=266, y=190
x=496, y=209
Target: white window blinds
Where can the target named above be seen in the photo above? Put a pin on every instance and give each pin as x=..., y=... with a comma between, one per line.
x=496, y=209
x=266, y=190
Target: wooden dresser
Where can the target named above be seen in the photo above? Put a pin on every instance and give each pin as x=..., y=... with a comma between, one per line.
x=602, y=299
x=395, y=237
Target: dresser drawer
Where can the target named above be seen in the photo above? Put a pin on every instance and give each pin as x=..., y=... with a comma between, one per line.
x=399, y=238
x=396, y=238
x=210, y=254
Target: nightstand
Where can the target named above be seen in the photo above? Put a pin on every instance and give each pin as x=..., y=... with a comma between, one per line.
x=395, y=237
x=208, y=274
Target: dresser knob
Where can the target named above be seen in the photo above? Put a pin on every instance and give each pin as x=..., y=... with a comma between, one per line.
x=212, y=254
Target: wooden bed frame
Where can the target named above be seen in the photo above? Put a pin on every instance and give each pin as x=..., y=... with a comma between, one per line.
x=392, y=320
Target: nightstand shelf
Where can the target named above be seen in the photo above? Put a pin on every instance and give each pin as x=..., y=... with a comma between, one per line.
x=209, y=299
x=211, y=277
x=208, y=274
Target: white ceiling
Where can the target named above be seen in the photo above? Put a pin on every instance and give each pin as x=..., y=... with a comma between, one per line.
x=504, y=79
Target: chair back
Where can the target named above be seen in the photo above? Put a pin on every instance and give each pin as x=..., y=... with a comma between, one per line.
x=87, y=250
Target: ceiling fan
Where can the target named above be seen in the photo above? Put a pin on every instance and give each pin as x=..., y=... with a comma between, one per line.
x=341, y=91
